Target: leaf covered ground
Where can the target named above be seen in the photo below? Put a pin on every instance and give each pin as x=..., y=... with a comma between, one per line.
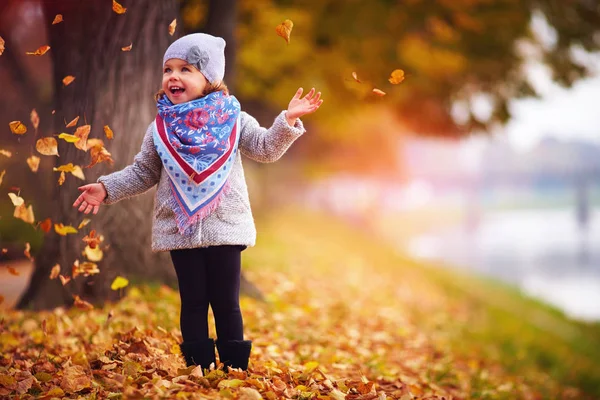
x=345, y=317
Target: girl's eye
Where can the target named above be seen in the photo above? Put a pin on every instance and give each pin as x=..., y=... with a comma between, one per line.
x=167, y=70
x=185, y=69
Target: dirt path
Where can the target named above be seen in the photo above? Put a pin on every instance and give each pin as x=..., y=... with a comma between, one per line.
x=11, y=286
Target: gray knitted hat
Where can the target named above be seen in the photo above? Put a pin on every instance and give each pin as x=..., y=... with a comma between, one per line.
x=205, y=52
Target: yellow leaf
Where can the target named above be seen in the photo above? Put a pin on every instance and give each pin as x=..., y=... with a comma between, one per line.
x=230, y=383
x=34, y=163
x=47, y=146
x=119, y=283
x=58, y=19
x=78, y=173
x=5, y=153
x=24, y=213
x=172, y=27
x=310, y=366
x=61, y=178
x=35, y=119
x=64, y=230
x=378, y=92
x=73, y=122
x=68, y=137
x=1, y=45
x=65, y=168
x=119, y=9
x=16, y=200
x=55, y=272
x=84, y=223
x=127, y=48
x=108, y=132
x=94, y=255
x=39, y=52
x=285, y=29
x=86, y=269
x=17, y=127
x=396, y=77
x=68, y=79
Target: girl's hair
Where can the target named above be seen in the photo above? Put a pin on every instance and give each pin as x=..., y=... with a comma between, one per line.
x=209, y=88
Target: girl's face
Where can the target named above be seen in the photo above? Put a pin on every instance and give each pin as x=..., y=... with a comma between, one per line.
x=182, y=82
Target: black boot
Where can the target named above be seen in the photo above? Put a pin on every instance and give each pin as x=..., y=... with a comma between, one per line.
x=234, y=353
x=199, y=353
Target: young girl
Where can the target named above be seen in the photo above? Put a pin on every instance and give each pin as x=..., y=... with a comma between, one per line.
x=202, y=212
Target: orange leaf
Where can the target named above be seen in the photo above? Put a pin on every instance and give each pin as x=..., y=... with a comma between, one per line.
x=108, y=132
x=127, y=48
x=172, y=27
x=55, y=271
x=17, y=127
x=285, y=29
x=82, y=304
x=92, y=240
x=61, y=178
x=82, y=133
x=47, y=146
x=396, y=77
x=27, y=251
x=58, y=19
x=68, y=79
x=1, y=45
x=34, y=163
x=64, y=279
x=99, y=154
x=119, y=9
x=378, y=92
x=46, y=225
x=73, y=122
x=13, y=271
x=35, y=119
x=39, y=52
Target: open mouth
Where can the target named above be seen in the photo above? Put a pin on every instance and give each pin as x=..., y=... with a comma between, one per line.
x=176, y=90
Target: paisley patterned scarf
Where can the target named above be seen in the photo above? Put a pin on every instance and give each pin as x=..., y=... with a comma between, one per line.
x=197, y=142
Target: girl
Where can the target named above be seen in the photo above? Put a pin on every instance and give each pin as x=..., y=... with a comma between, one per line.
x=202, y=212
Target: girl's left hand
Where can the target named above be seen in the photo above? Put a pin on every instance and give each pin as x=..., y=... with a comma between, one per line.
x=301, y=106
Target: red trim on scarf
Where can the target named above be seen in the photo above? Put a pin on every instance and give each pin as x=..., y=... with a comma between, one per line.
x=186, y=167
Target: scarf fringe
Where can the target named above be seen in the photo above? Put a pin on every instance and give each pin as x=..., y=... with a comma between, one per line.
x=184, y=222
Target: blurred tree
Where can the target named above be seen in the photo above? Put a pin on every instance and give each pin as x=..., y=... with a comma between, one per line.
x=112, y=88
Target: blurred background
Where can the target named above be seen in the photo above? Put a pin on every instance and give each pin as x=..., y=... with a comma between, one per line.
x=485, y=157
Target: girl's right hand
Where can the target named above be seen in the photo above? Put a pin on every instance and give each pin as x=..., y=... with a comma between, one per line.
x=93, y=195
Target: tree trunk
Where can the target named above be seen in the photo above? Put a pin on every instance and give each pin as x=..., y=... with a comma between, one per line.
x=221, y=21
x=112, y=88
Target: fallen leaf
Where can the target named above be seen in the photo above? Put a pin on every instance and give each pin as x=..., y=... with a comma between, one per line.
x=68, y=79
x=285, y=29
x=172, y=27
x=55, y=271
x=17, y=127
x=356, y=77
x=73, y=122
x=119, y=9
x=35, y=119
x=27, y=251
x=1, y=45
x=64, y=230
x=58, y=19
x=127, y=48
x=24, y=213
x=119, y=283
x=396, y=77
x=84, y=223
x=13, y=271
x=61, y=178
x=39, y=52
x=47, y=146
x=378, y=92
x=64, y=279
x=16, y=200
x=75, y=378
x=34, y=163
x=108, y=132
x=5, y=153
x=46, y=225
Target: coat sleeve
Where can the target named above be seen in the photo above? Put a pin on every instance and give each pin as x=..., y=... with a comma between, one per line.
x=137, y=178
x=267, y=145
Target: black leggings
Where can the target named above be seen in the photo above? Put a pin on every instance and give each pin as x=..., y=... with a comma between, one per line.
x=209, y=275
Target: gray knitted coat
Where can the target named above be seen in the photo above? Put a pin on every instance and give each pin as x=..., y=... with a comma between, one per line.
x=232, y=221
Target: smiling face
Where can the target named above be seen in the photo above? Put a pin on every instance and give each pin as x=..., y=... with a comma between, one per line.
x=182, y=82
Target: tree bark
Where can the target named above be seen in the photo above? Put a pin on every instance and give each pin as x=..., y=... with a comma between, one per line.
x=112, y=88
x=221, y=21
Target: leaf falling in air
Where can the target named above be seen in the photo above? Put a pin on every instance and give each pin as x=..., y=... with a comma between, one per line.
x=99, y=154
x=68, y=79
x=93, y=255
x=61, y=178
x=46, y=225
x=78, y=173
x=396, y=77
x=55, y=271
x=65, y=168
x=92, y=240
x=58, y=19
x=356, y=77
x=39, y=52
x=82, y=134
x=1, y=45
x=2, y=175
x=17, y=127
x=64, y=230
x=16, y=200
x=82, y=304
x=285, y=30
x=108, y=132
x=73, y=122
x=27, y=251
x=64, y=279
x=67, y=137
x=127, y=48
x=6, y=153
x=35, y=119
x=47, y=146
x=119, y=9
x=24, y=213
x=34, y=163
x=379, y=92
x=84, y=223
x=119, y=283
x=172, y=27
x=86, y=268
